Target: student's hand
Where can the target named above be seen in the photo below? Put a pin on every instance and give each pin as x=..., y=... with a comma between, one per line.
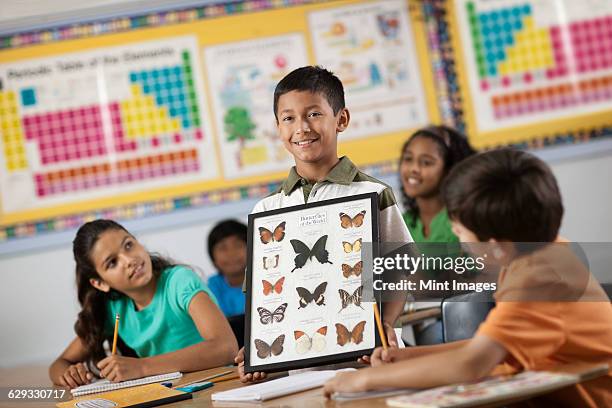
x=75, y=375
x=118, y=368
x=250, y=377
x=351, y=381
x=391, y=342
x=381, y=356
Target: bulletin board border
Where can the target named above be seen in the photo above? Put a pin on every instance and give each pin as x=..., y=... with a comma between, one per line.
x=144, y=20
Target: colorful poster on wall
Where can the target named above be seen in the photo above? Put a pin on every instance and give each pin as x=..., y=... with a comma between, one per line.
x=533, y=61
x=370, y=46
x=100, y=123
x=242, y=77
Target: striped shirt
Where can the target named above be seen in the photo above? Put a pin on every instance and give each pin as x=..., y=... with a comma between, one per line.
x=344, y=180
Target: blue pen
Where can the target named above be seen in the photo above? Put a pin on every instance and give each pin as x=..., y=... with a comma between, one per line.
x=196, y=386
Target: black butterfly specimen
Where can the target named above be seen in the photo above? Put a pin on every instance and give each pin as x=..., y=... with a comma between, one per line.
x=304, y=253
x=357, y=221
x=345, y=336
x=267, y=317
x=317, y=296
x=266, y=236
x=348, y=299
x=264, y=350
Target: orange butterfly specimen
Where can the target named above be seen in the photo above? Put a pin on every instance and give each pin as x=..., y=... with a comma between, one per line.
x=347, y=270
x=266, y=236
x=268, y=288
x=316, y=342
x=346, y=336
x=357, y=221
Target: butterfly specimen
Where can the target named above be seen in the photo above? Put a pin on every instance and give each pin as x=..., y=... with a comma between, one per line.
x=270, y=262
x=357, y=221
x=316, y=342
x=347, y=299
x=266, y=236
x=304, y=253
x=346, y=336
x=267, y=317
x=354, y=247
x=268, y=288
x=317, y=296
x=347, y=270
x=264, y=350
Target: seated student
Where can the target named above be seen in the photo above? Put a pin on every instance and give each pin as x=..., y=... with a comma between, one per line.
x=426, y=159
x=167, y=315
x=227, y=249
x=505, y=197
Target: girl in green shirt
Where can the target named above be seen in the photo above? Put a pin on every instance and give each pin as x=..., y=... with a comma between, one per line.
x=168, y=317
x=427, y=157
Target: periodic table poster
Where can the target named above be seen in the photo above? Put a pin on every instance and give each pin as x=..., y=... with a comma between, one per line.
x=98, y=123
x=532, y=64
x=119, y=116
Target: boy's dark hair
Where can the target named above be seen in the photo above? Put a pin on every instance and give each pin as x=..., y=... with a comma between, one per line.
x=224, y=229
x=453, y=147
x=505, y=194
x=314, y=79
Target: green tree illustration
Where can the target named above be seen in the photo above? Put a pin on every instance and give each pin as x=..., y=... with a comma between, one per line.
x=238, y=125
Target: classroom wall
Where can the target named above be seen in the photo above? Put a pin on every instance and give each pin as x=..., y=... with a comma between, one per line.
x=38, y=303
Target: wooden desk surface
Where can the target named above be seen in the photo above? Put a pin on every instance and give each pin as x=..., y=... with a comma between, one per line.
x=36, y=376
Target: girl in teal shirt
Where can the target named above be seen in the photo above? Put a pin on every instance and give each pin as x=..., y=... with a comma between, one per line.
x=427, y=157
x=168, y=317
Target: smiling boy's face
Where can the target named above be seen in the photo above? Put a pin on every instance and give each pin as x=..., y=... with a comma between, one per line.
x=308, y=127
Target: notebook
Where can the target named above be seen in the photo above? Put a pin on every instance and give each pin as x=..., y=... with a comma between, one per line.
x=484, y=392
x=149, y=395
x=276, y=388
x=106, y=385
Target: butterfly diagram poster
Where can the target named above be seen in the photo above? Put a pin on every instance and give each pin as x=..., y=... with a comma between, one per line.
x=304, y=286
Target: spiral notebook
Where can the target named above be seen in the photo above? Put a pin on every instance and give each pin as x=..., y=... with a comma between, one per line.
x=106, y=385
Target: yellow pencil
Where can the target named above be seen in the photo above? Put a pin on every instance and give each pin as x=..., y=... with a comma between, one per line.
x=115, y=335
x=381, y=331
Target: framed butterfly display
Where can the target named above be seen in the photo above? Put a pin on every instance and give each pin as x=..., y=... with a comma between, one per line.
x=304, y=284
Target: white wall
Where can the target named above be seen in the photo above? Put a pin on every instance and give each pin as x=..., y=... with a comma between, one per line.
x=38, y=298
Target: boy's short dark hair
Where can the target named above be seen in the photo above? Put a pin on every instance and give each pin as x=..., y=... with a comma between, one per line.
x=224, y=229
x=314, y=79
x=505, y=194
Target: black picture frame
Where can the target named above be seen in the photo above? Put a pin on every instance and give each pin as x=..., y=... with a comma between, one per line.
x=253, y=238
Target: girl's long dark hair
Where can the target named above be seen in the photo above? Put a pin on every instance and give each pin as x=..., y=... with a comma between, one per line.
x=453, y=147
x=90, y=322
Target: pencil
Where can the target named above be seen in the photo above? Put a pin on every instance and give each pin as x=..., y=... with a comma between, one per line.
x=381, y=331
x=115, y=335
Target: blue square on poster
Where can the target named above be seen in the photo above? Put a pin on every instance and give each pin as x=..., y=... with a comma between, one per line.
x=28, y=97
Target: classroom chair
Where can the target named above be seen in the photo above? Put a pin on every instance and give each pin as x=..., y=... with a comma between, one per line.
x=237, y=325
x=462, y=314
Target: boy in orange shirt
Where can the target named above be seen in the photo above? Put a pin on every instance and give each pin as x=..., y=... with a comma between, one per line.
x=549, y=309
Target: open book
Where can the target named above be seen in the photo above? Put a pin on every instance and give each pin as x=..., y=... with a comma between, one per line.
x=106, y=385
x=484, y=392
x=276, y=388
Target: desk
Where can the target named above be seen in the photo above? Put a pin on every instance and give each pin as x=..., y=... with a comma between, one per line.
x=32, y=376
